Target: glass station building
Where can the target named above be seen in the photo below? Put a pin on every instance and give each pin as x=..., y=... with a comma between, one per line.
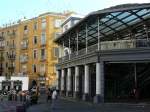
x=110, y=55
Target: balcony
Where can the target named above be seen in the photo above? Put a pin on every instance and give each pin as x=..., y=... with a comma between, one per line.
x=24, y=59
x=1, y=69
x=12, y=46
x=2, y=48
x=12, y=35
x=43, y=43
x=43, y=58
x=24, y=46
x=2, y=38
x=11, y=68
x=11, y=56
x=26, y=32
x=109, y=45
x=1, y=58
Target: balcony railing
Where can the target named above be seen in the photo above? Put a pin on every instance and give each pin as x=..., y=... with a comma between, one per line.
x=43, y=58
x=2, y=38
x=24, y=46
x=11, y=68
x=1, y=58
x=2, y=47
x=12, y=35
x=1, y=69
x=25, y=60
x=12, y=46
x=109, y=45
x=25, y=32
x=43, y=43
x=12, y=57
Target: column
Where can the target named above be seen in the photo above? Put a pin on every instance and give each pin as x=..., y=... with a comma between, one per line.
x=76, y=82
x=86, y=83
x=57, y=80
x=12, y=85
x=99, y=82
x=86, y=42
x=62, y=80
x=69, y=82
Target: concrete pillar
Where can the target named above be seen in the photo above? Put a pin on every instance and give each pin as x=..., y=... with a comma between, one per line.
x=86, y=83
x=57, y=80
x=76, y=82
x=69, y=81
x=99, y=83
x=12, y=85
x=62, y=80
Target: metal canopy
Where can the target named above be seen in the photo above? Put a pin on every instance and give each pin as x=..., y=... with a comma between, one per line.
x=119, y=22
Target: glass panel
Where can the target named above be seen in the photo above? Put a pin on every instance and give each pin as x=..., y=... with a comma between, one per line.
x=133, y=21
x=142, y=12
x=106, y=29
x=146, y=16
x=125, y=14
x=129, y=18
x=116, y=25
x=116, y=13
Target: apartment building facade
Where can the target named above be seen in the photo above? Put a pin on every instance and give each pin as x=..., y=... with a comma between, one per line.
x=28, y=48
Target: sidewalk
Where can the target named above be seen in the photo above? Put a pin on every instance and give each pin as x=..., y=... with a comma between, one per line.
x=9, y=106
x=72, y=105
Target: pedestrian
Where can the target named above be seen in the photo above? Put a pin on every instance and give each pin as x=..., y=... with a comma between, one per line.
x=49, y=94
x=54, y=98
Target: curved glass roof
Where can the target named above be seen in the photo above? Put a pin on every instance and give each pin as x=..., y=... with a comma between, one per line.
x=114, y=22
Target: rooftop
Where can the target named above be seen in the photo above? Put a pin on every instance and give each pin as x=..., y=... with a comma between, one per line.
x=120, y=20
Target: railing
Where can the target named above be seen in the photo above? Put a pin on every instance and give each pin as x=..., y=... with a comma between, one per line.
x=109, y=45
x=2, y=47
x=11, y=67
x=25, y=32
x=43, y=43
x=24, y=46
x=12, y=46
x=13, y=57
x=24, y=60
x=1, y=58
x=1, y=69
x=43, y=58
x=12, y=35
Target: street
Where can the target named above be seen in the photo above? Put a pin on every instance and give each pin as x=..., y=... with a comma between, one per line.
x=69, y=105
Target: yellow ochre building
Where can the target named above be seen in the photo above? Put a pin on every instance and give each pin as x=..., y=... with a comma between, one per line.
x=27, y=48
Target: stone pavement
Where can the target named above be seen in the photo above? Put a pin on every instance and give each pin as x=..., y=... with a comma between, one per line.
x=69, y=105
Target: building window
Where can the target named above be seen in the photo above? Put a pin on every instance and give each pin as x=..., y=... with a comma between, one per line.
x=42, y=69
x=42, y=53
x=43, y=38
x=56, y=52
x=35, y=53
x=43, y=25
x=58, y=23
x=35, y=26
x=6, y=64
x=34, y=68
x=8, y=32
x=35, y=40
x=25, y=27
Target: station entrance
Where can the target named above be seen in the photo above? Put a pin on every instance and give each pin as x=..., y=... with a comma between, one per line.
x=127, y=82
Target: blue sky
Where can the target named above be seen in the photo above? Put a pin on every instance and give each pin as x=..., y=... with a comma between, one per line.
x=12, y=10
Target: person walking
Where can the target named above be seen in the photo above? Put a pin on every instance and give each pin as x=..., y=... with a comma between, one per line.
x=54, y=98
x=49, y=94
